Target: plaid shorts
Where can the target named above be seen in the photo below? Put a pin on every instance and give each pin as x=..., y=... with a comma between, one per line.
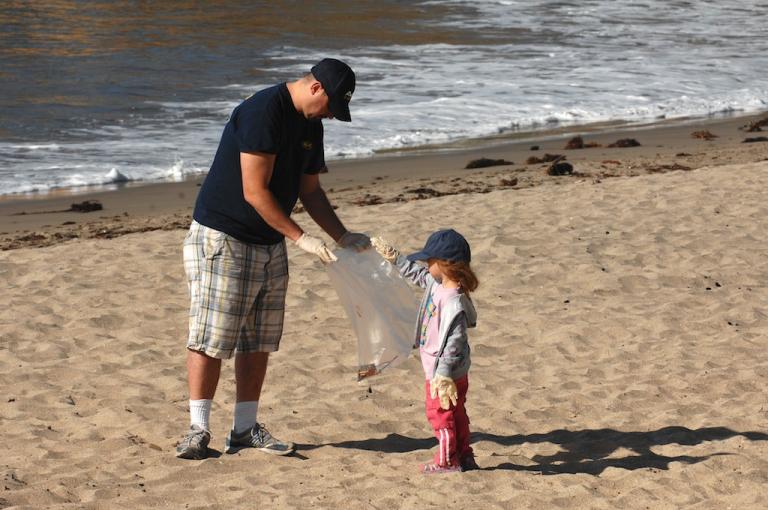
x=237, y=293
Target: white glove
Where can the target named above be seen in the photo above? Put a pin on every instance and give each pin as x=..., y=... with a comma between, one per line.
x=444, y=388
x=316, y=246
x=385, y=249
x=355, y=241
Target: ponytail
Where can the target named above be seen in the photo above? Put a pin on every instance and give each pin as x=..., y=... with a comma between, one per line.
x=460, y=272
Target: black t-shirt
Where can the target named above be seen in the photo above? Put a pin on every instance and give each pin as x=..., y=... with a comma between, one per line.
x=265, y=122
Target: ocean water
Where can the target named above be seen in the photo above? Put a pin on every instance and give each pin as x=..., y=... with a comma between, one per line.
x=100, y=92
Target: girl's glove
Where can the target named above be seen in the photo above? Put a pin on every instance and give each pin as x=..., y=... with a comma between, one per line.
x=444, y=388
x=385, y=249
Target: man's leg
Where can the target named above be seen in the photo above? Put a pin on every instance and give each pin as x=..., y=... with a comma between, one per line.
x=218, y=295
x=260, y=334
x=250, y=370
x=202, y=378
x=202, y=375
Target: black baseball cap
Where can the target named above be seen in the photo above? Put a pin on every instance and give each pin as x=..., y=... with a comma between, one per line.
x=446, y=245
x=338, y=81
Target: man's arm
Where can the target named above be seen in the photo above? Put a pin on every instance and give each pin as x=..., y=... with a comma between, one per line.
x=257, y=171
x=319, y=208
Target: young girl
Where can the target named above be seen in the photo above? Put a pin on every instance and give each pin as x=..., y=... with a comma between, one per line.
x=445, y=314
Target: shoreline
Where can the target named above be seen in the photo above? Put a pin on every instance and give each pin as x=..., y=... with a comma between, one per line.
x=559, y=131
x=508, y=138
x=41, y=220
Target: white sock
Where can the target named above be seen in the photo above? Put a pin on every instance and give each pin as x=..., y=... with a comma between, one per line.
x=200, y=412
x=245, y=415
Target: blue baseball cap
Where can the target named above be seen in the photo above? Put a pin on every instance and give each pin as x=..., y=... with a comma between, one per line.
x=338, y=81
x=446, y=245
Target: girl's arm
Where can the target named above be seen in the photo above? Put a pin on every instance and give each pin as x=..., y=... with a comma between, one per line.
x=456, y=347
x=414, y=272
x=409, y=270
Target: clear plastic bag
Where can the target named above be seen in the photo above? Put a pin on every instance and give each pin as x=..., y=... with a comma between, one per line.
x=381, y=306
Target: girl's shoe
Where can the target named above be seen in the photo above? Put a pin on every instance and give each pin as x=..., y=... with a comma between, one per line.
x=437, y=469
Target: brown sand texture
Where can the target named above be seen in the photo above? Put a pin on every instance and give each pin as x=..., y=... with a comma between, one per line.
x=619, y=362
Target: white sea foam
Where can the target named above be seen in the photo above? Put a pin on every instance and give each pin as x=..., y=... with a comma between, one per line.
x=180, y=171
x=34, y=146
x=114, y=176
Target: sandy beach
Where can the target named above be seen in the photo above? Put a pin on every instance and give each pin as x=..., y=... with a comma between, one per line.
x=619, y=359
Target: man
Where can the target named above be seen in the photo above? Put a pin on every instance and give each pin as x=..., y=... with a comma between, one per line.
x=270, y=155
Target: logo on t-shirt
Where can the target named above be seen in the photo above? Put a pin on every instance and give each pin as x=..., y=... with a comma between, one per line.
x=307, y=145
x=348, y=96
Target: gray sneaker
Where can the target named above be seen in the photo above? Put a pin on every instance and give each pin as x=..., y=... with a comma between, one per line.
x=258, y=437
x=195, y=444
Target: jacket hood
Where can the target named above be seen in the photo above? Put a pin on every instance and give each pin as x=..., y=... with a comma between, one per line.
x=469, y=309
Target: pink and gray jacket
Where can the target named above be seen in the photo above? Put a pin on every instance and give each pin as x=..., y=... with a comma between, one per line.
x=456, y=316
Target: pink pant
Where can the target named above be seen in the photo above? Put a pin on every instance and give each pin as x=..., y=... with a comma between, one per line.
x=451, y=426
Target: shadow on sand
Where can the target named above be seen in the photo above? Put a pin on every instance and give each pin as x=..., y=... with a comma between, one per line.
x=583, y=451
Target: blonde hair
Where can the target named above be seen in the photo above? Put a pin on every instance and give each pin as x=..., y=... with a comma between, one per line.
x=459, y=272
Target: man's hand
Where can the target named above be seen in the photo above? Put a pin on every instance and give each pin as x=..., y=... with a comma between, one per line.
x=444, y=388
x=385, y=249
x=354, y=241
x=317, y=247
